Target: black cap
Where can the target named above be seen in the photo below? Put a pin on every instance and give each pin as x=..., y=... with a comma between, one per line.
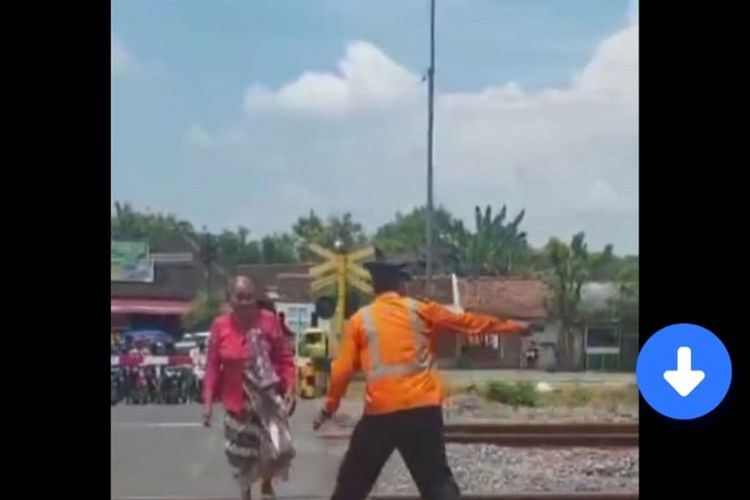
x=387, y=270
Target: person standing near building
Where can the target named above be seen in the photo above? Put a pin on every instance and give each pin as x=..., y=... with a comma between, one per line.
x=391, y=340
x=251, y=369
x=532, y=355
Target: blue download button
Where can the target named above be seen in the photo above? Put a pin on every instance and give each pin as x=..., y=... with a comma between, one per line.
x=683, y=371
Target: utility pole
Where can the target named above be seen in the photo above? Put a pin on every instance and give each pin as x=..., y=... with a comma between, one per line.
x=430, y=119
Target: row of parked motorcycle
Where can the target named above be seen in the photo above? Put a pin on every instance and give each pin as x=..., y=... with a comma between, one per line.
x=155, y=385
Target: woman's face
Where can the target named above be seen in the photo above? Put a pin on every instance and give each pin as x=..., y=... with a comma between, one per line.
x=242, y=298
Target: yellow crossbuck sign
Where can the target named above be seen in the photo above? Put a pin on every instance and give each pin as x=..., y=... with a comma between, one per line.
x=342, y=265
x=342, y=270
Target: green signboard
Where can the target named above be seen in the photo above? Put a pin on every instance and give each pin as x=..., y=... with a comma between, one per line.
x=131, y=262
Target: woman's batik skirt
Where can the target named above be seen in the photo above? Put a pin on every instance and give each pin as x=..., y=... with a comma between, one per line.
x=259, y=441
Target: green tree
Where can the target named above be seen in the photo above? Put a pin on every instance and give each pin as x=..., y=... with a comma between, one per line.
x=627, y=303
x=126, y=223
x=496, y=247
x=278, y=249
x=313, y=229
x=612, y=266
x=235, y=247
x=405, y=236
x=346, y=230
x=572, y=266
x=231, y=247
x=202, y=312
x=310, y=228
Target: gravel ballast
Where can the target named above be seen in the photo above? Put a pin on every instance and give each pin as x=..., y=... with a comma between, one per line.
x=481, y=468
x=472, y=407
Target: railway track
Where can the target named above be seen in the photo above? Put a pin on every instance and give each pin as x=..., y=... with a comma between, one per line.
x=506, y=496
x=594, y=435
x=529, y=496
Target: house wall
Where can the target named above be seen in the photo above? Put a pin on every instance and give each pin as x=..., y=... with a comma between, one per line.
x=547, y=341
x=625, y=349
x=510, y=353
x=457, y=351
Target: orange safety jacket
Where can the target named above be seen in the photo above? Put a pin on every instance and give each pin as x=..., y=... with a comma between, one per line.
x=392, y=341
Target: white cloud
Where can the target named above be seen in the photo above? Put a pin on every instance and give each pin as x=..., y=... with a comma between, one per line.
x=614, y=68
x=366, y=79
x=123, y=63
x=355, y=140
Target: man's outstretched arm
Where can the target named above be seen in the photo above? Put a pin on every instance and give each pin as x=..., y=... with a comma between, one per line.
x=468, y=323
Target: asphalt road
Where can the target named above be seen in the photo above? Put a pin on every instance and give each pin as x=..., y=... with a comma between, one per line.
x=163, y=452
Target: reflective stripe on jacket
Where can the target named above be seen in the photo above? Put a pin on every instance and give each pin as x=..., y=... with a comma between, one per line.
x=392, y=342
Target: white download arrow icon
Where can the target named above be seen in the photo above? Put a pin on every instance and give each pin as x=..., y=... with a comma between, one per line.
x=684, y=379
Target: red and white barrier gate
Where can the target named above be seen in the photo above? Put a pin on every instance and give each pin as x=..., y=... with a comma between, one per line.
x=139, y=360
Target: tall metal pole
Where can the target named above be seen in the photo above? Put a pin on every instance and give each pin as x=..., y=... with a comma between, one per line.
x=430, y=119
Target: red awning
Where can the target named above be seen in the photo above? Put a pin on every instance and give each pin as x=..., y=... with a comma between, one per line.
x=139, y=306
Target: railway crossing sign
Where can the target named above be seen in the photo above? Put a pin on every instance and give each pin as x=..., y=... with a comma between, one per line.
x=340, y=268
x=343, y=270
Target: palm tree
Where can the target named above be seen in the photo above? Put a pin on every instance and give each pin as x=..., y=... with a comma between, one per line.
x=572, y=265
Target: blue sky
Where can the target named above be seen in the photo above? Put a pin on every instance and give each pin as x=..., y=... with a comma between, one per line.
x=252, y=112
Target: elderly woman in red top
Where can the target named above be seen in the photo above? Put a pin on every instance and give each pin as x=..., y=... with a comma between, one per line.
x=251, y=369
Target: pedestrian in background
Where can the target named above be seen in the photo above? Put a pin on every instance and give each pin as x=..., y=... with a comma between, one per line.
x=251, y=370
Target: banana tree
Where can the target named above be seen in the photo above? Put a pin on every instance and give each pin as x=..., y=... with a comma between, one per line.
x=495, y=245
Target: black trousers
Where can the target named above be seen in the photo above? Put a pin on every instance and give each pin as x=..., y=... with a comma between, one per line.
x=418, y=436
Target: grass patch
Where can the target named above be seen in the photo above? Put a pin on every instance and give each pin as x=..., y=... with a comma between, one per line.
x=580, y=396
x=574, y=395
x=521, y=393
x=577, y=395
x=512, y=393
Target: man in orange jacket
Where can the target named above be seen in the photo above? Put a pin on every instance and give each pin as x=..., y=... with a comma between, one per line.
x=392, y=341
